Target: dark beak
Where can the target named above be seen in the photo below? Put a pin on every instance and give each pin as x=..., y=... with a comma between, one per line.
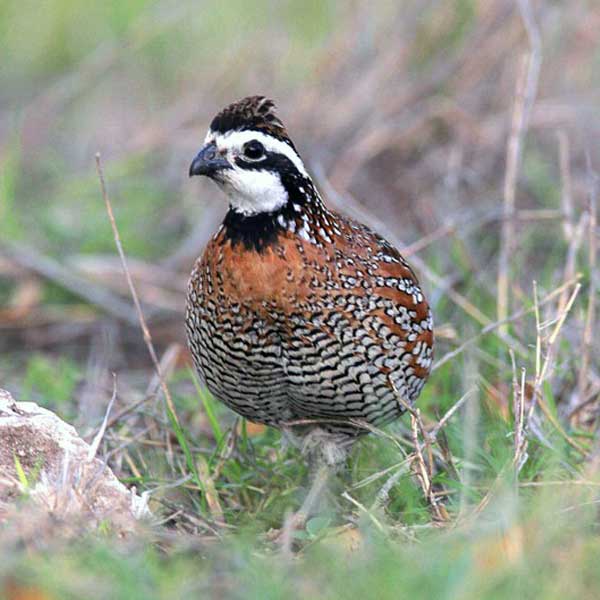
x=208, y=162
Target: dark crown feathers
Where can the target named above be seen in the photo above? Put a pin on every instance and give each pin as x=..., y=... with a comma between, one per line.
x=256, y=113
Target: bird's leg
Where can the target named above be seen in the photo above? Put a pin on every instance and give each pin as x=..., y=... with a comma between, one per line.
x=297, y=520
x=325, y=453
x=319, y=483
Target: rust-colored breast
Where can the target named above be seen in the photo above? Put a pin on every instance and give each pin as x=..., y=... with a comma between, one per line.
x=330, y=324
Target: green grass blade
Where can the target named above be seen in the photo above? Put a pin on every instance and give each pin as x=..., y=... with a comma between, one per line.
x=189, y=460
x=208, y=403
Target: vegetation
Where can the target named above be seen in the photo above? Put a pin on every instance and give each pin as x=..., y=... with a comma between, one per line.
x=467, y=132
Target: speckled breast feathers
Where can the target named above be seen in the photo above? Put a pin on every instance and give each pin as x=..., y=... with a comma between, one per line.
x=297, y=315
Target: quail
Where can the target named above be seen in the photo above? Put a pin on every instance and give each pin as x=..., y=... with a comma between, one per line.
x=299, y=317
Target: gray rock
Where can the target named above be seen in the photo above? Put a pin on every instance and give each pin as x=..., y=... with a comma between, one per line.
x=44, y=458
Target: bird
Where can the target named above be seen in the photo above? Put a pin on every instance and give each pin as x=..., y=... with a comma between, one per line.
x=297, y=316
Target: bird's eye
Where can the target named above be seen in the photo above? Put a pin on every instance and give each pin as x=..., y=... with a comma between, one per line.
x=254, y=150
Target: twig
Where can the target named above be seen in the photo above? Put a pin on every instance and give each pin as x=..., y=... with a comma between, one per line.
x=520, y=456
x=423, y=470
x=556, y=331
x=490, y=493
x=541, y=368
x=442, y=422
x=67, y=279
x=535, y=49
x=567, y=482
x=394, y=472
x=513, y=155
x=590, y=316
x=136, y=301
x=379, y=474
x=567, y=185
x=489, y=328
x=548, y=414
x=210, y=490
x=465, y=224
x=526, y=89
x=98, y=437
x=575, y=241
x=364, y=509
x=383, y=494
x=469, y=436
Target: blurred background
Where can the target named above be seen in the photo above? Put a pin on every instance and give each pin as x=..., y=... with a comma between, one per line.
x=465, y=131
x=405, y=113
x=402, y=111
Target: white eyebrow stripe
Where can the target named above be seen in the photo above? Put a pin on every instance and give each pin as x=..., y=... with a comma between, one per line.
x=239, y=138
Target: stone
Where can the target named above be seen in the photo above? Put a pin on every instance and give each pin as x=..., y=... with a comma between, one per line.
x=43, y=458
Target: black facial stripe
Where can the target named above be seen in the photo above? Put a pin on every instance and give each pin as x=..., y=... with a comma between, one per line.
x=272, y=161
x=292, y=180
x=259, y=231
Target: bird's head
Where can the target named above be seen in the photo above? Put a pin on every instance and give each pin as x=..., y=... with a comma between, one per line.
x=249, y=154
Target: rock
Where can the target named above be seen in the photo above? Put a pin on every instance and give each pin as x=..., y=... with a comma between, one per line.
x=43, y=458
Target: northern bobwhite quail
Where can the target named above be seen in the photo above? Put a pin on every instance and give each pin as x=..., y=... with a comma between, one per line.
x=299, y=317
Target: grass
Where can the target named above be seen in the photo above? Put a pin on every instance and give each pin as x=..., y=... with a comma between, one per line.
x=404, y=116
x=508, y=554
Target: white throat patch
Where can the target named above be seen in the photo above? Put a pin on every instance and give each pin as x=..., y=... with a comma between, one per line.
x=252, y=191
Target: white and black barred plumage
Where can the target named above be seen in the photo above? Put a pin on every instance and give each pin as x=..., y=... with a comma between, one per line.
x=299, y=317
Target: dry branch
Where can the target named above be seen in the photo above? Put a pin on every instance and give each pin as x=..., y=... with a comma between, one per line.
x=136, y=301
